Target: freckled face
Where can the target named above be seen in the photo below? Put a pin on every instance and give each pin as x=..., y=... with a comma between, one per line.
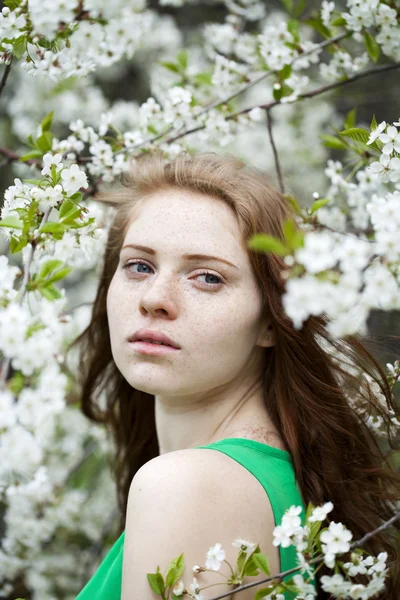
x=210, y=309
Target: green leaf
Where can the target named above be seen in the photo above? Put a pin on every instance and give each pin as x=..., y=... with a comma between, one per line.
x=33, y=154
x=60, y=274
x=356, y=133
x=47, y=121
x=33, y=181
x=339, y=22
x=203, y=78
x=314, y=529
x=17, y=244
x=372, y=46
x=12, y=221
x=45, y=141
x=309, y=510
x=50, y=292
x=267, y=243
x=289, y=231
x=241, y=559
x=71, y=215
x=298, y=240
x=262, y=562
x=49, y=265
x=301, y=5
x=175, y=570
x=75, y=225
x=170, y=66
x=12, y=4
x=66, y=207
x=156, y=582
x=283, y=90
x=34, y=328
x=277, y=93
x=250, y=568
x=331, y=141
x=285, y=72
x=16, y=383
x=77, y=197
x=293, y=203
x=317, y=24
x=19, y=46
x=374, y=123
x=293, y=27
x=350, y=119
x=288, y=4
x=52, y=227
x=319, y=204
x=182, y=58
x=172, y=577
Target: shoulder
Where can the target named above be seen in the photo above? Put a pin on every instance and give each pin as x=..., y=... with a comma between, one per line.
x=196, y=467
x=188, y=501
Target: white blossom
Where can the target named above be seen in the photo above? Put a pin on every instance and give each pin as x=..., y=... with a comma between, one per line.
x=215, y=556
x=327, y=9
x=318, y=253
x=307, y=590
x=73, y=179
x=290, y=527
x=335, y=584
x=320, y=512
x=244, y=545
x=335, y=540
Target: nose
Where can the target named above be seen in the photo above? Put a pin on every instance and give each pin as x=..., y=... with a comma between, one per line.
x=159, y=297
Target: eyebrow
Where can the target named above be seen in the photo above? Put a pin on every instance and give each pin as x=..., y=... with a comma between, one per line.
x=184, y=256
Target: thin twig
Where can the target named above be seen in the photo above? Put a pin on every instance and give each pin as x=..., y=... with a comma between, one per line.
x=275, y=152
x=234, y=94
x=321, y=90
x=250, y=84
x=5, y=76
x=316, y=92
x=314, y=561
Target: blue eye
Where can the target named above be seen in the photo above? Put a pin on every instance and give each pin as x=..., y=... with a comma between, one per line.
x=130, y=264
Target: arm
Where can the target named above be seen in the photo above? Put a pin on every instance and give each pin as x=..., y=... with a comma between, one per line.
x=187, y=501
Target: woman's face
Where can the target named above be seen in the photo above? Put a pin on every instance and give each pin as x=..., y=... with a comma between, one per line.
x=214, y=318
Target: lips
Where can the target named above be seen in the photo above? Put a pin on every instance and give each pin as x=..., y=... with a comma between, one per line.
x=154, y=337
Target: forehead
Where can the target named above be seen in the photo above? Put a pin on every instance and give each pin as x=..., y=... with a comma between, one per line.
x=174, y=216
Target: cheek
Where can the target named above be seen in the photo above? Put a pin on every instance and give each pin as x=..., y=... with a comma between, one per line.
x=113, y=306
x=232, y=326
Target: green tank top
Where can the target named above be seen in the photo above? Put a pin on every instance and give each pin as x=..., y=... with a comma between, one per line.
x=274, y=470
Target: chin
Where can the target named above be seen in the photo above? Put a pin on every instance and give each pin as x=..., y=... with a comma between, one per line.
x=149, y=385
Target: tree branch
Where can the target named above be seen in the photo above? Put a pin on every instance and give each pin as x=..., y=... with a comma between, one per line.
x=11, y=156
x=314, y=561
x=242, y=89
x=275, y=152
x=5, y=76
x=263, y=76
x=316, y=92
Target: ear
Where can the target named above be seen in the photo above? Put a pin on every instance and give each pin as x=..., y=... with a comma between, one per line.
x=267, y=336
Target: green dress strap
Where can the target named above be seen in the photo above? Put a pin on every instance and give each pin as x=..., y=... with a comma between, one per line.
x=106, y=583
x=274, y=470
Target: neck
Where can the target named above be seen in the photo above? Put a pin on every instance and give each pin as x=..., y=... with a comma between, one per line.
x=199, y=419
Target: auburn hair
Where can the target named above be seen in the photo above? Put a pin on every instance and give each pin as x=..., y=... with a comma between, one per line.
x=315, y=390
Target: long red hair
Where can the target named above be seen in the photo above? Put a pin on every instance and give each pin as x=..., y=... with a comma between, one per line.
x=312, y=383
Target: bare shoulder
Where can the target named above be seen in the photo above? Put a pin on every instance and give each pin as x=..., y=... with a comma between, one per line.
x=188, y=501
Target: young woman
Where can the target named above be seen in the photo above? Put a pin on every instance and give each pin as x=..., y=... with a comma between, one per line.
x=236, y=415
